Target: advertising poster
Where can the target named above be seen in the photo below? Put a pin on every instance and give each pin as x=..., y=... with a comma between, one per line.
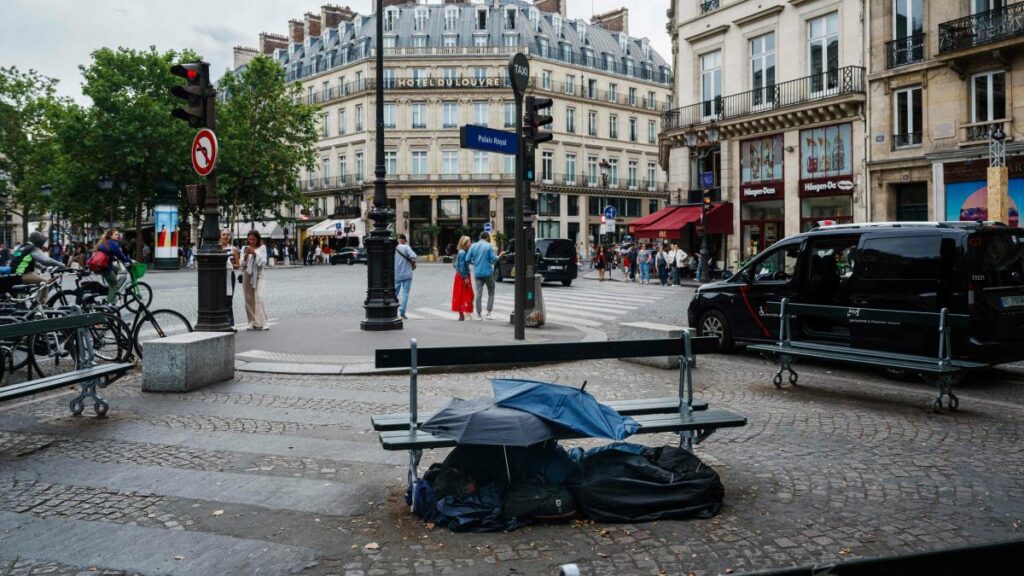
x=969, y=201
x=166, y=231
x=826, y=152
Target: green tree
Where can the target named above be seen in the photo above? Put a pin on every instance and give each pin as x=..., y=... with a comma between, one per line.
x=263, y=129
x=132, y=136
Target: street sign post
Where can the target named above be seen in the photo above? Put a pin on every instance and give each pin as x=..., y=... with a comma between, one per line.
x=519, y=77
x=204, y=152
x=488, y=139
x=610, y=212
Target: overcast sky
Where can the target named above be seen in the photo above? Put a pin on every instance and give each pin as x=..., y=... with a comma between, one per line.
x=54, y=37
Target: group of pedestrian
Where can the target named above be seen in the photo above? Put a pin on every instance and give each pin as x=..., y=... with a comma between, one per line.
x=639, y=262
x=252, y=260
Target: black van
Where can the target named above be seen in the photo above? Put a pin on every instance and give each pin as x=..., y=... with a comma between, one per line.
x=556, y=261
x=969, y=267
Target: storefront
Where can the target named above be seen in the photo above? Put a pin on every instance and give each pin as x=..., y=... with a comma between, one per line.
x=826, y=175
x=762, y=189
x=966, y=191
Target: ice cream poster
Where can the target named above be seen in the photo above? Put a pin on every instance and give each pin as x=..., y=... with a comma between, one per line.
x=166, y=218
x=967, y=201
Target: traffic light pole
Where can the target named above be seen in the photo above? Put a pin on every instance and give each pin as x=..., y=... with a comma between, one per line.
x=522, y=196
x=211, y=261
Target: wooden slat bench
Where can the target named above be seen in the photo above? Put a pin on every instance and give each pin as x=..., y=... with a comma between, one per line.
x=941, y=370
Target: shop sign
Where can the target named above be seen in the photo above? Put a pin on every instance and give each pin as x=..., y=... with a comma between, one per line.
x=761, y=191
x=826, y=186
x=467, y=82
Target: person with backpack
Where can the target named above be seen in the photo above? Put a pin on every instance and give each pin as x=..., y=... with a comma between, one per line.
x=30, y=256
x=109, y=261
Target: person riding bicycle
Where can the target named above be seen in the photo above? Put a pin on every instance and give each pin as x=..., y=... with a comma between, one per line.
x=30, y=257
x=117, y=262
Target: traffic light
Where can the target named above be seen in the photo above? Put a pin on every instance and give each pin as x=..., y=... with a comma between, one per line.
x=533, y=121
x=194, y=92
x=706, y=201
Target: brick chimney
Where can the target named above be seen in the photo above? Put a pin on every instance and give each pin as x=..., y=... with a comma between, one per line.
x=613, y=21
x=271, y=42
x=244, y=55
x=331, y=16
x=311, y=25
x=553, y=6
x=296, y=31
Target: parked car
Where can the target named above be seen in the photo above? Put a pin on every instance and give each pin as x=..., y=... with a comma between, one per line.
x=556, y=261
x=348, y=255
x=968, y=267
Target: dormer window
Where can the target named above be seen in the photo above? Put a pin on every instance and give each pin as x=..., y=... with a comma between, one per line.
x=581, y=30
x=481, y=18
x=389, y=41
x=451, y=18
x=535, y=19
x=420, y=22
x=646, y=47
x=624, y=44
x=556, y=23
x=390, y=20
x=510, y=18
x=357, y=24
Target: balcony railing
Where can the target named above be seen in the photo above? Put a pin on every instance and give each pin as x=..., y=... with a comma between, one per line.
x=584, y=180
x=980, y=131
x=982, y=28
x=616, y=97
x=708, y=6
x=847, y=80
x=906, y=140
x=903, y=51
x=329, y=183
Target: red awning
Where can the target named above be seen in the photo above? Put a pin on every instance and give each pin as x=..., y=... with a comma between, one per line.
x=650, y=219
x=671, y=225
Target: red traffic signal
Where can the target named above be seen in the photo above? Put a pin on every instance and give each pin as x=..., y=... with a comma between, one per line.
x=534, y=120
x=194, y=92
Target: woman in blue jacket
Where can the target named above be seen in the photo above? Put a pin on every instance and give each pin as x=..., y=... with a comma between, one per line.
x=117, y=260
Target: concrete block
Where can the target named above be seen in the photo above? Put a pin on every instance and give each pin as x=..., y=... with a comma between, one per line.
x=650, y=331
x=187, y=361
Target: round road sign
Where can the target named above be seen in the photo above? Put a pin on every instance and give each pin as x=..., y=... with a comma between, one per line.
x=204, y=152
x=519, y=72
x=610, y=212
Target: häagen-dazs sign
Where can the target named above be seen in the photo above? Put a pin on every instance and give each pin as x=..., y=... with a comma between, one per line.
x=826, y=186
x=761, y=191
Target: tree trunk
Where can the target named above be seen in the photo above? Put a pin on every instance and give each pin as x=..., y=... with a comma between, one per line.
x=24, y=224
x=138, y=226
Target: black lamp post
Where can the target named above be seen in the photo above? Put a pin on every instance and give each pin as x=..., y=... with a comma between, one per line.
x=702, y=144
x=381, y=305
x=47, y=191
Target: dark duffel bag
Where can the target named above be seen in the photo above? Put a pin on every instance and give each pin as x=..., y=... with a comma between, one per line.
x=657, y=483
x=527, y=502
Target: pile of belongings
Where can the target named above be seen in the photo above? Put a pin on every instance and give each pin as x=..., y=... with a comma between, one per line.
x=508, y=469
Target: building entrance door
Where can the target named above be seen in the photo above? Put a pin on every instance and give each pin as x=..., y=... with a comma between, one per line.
x=912, y=202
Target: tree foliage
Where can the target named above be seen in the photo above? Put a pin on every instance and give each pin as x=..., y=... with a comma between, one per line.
x=263, y=129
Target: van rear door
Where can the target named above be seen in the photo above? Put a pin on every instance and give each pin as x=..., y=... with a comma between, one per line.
x=996, y=285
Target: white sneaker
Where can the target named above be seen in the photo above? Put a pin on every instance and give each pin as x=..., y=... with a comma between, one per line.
x=490, y=316
x=479, y=317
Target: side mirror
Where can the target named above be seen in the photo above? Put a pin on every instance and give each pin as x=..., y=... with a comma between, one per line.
x=747, y=277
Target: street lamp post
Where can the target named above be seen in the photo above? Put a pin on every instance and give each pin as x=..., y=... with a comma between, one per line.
x=702, y=144
x=381, y=305
x=106, y=184
x=47, y=191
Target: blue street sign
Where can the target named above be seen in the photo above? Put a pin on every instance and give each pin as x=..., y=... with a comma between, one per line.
x=337, y=225
x=488, y=139
x=487, y=227
x=707, y=179
x=610, y=212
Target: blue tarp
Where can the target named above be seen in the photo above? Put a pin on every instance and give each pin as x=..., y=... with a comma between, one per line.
x=571, y=408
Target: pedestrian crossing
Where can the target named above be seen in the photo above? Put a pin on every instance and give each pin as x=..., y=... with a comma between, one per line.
x=585, y=304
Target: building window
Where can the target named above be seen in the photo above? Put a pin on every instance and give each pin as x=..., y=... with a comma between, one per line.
x=570, y=120
x=389, y=115
x=613, y=126
x=309, y=95
x=570, y=168
x=510, y=114
x=419, y=41
x=613, y=173
x=451, y=18
x=419, y=162
x=360, y=168
x=535, y=19
x=574, y=205
x=325, y=127
x=342, y=122
x=570, y=84
x=907, y=117
x=480, y=41
x=632, y=175
x=419, y=75
x=450, y=73
x=510, y=40
x=451, y=114
x=761, y=160
x=389, y=78
x=591, y=171
x=823, y=44
x=480, y=73
x=988, y=96
x=390, y=19
x=508, y=164
x=978, y=6
x=652, y=176
x=546, y=229
x=509, y=22
x=481, y=18
x=592, y=123
x=450, y=164
x=632, y=130
x=359, y=117
x=481, y=162
x=391, y=161
x=480, y=113
x=632, y=96
x=762, y=69
x=325, y=169
x=342, y=167
x=652, y=132
x=613, y=92
x=711, y=83
x=908, y=17
x=545, y=79
x=419, y=207
x=419, y=115
x=449, y=208
x=420, y=19
x=591, y=88
x=450, y=41
x=389, y=41
x=548, y=204
x=546, y=166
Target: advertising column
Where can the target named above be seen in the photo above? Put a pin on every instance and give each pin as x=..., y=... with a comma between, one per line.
x=826, y=176
x=165, y=237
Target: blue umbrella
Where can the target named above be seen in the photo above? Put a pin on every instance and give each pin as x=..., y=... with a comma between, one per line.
x=571, y=408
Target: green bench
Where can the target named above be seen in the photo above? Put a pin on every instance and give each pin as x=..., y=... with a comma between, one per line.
x=692, y=421
x=941, y=370
x=85, y=374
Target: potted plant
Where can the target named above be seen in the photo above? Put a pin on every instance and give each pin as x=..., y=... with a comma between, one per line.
x=432, y=230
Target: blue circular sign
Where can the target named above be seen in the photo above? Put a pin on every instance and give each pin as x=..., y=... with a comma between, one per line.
x=487, y=227
x=610, y=212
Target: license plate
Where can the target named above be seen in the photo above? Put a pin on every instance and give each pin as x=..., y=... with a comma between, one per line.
x=556, y=267
x=1012, y=301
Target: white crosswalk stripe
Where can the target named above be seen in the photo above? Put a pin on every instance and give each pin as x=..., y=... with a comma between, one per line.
x=589, y=305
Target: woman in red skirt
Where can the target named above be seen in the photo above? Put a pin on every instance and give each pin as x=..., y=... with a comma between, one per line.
x=462, y=290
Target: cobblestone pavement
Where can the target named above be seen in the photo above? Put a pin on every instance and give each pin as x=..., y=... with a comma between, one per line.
x=282, y=474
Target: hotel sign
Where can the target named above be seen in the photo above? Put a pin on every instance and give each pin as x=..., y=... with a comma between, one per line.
x=434, y=83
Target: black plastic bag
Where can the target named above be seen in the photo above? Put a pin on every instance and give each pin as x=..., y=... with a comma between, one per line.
x=658, y=483
x=527, y=502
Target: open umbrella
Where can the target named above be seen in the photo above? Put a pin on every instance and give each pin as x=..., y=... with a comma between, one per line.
x=571, y=408
x=480, y=421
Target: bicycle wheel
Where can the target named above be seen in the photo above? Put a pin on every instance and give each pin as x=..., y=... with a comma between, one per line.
x=62, y=297
x=53, y=352
x=158, y=324
x=131, y=302
x=17, y=348
x=111, y=341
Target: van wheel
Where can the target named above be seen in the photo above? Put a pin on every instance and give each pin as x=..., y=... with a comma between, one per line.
x=566, y=283
x=713, y=323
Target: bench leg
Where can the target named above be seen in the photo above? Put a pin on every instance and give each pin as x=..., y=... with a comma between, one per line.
x=944, y=384
x=785, y=365
x=88, y=390
x=414, y=464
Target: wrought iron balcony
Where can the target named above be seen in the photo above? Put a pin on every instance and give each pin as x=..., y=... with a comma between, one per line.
x=982, y=28
x=903, y=51
x=847, y=80
x=980, y=131
x=906, y=140
x=708, y=6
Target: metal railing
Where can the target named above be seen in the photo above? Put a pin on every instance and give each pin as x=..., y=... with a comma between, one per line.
x=846, y=80
x=616, y=97
x=559, y=54
x=903, y=51
x=906, y=140
x=982, y=28
x=584, y=180
x=329, y=183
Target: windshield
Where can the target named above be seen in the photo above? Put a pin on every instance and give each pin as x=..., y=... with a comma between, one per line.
x=555, y=248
